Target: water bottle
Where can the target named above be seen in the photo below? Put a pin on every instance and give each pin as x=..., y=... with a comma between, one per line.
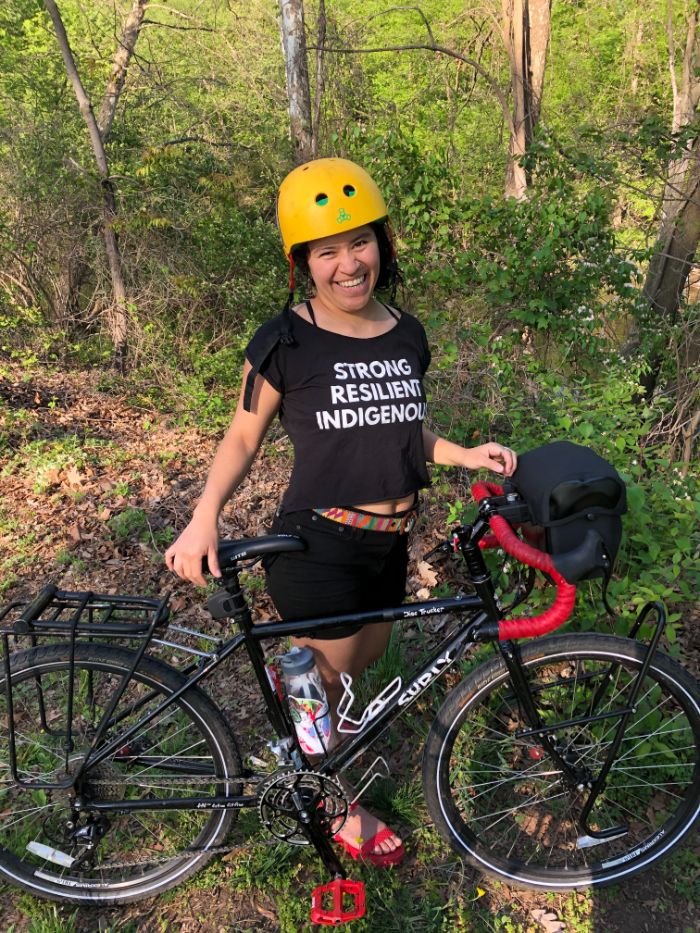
x=307, y=700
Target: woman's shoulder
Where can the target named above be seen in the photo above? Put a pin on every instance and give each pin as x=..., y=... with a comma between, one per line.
x=410, y=321
x=276, y=330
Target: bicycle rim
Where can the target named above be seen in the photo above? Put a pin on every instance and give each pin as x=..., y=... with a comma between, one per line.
x=502, y=801
x=185, y=751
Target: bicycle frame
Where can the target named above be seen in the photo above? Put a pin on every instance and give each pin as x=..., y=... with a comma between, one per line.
x=483, y=612
x=449, y=651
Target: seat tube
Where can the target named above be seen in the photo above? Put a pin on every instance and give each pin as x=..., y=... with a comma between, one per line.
x=242, y=615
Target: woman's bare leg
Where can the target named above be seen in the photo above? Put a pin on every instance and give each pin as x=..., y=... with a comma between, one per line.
x=352, y=655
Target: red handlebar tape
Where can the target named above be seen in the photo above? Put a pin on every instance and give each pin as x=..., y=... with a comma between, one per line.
x=504, y=536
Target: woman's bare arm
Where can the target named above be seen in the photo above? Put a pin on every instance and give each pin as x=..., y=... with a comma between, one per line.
x=232, y=461
x=491, y=456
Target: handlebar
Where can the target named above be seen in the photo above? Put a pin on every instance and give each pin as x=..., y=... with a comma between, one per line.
x=503, y=536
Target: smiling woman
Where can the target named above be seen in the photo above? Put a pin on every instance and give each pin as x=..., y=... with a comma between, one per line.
x=344, y=372
x=345, y=269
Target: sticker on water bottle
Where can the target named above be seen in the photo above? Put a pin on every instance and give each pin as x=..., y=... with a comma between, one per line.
x=312, y=722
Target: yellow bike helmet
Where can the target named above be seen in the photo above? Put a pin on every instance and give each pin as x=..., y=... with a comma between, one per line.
x=324, y=197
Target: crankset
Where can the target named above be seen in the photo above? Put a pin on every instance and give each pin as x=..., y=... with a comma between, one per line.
x=289, y=799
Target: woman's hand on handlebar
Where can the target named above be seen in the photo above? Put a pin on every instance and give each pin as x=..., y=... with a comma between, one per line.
x=492, y=456
x=184, y=557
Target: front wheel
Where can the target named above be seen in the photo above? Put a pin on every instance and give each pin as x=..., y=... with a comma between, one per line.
x=505, y=805
x=51, y=842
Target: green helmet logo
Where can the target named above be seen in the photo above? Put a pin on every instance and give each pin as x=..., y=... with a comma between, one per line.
x=343, y=216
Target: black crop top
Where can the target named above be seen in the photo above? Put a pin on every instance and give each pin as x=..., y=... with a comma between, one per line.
x=353, y=409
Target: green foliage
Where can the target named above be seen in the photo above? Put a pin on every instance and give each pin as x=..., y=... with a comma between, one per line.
x=549, y=262
x=131, y=523
x=45, y=459
x=418, y=189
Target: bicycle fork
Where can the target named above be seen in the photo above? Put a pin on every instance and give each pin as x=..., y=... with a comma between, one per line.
x=574, y=777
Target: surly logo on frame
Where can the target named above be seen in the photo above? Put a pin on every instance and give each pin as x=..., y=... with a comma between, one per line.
x=390, y=382
x=420, y=683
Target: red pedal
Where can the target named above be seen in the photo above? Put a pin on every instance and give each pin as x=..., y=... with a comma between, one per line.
x=335, y=892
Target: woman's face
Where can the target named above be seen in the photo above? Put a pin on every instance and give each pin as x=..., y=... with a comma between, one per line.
x=345, y=269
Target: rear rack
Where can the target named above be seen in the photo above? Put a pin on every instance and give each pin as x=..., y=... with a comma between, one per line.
x=57, y=612
x=70, y=616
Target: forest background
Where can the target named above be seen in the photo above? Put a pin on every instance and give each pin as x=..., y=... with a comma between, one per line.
x=540, y=161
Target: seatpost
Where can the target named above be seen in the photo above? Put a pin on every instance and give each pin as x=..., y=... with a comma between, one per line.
x=466, y=538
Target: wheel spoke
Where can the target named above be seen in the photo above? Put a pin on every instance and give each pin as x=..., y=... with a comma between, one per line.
x=134, y=851
x=509, y=811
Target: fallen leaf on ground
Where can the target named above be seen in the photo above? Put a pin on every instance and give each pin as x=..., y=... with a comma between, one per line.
x=548, y=921
x=426, y=574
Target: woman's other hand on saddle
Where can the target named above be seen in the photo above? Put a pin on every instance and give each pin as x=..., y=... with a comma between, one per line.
x=184, y=557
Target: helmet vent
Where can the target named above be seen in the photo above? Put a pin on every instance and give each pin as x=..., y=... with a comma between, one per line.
x=322, y=199
x=349, y=190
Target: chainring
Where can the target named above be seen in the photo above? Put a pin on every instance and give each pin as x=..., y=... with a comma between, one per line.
x=317, y=794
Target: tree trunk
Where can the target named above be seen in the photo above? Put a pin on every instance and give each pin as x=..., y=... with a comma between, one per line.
x=294, y=47
x=514, y=38
x=120, y=66
x=677, y=243
x=78, y=269
x=685, y=101
x=318, y=89
x=679, y=232
x=526, y=29
x=117, y=317
x=540, y=28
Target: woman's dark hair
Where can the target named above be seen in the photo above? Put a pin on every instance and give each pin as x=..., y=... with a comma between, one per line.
x=389, y=272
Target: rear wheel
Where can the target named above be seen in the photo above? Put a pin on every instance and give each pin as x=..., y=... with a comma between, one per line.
x=56, y=849
x=502, y=802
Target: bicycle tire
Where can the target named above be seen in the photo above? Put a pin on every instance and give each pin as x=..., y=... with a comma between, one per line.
x=141, y=854
x=500, y=801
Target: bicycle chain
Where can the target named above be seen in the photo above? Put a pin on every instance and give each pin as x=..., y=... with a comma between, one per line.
x=183, y=780
x=189, y=853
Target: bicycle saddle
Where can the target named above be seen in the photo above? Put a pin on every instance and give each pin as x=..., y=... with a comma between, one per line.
x=250, y=548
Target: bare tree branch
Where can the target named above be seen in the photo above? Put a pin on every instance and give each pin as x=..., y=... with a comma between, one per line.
x=200, y=139
x=440, y=50
x=120, y=66
x=406, y=9
x=155, y=22
x=118, y=312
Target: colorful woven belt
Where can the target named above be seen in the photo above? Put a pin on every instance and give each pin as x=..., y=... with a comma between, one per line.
x=401, y=524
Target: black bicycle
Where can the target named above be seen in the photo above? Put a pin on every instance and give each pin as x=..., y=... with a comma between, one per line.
x=566, y=762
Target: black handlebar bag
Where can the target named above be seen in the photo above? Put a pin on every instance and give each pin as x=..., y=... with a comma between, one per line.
x=576, y=500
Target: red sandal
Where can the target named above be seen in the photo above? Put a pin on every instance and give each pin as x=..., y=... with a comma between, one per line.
x=365, y=852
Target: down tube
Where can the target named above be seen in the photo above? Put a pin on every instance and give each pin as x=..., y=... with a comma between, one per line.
x=446, y=655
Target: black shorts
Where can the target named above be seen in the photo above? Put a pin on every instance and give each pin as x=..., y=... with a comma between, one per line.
x=343, y=569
